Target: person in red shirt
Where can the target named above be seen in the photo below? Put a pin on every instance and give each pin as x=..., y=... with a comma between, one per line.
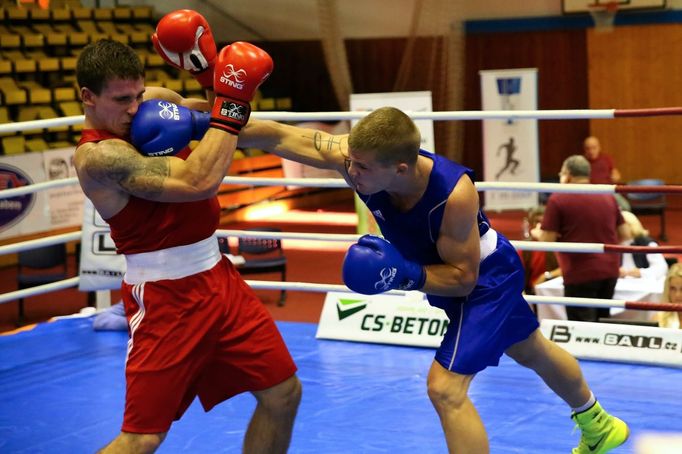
x=602, y=168
x=584, y=218
x=196, y=329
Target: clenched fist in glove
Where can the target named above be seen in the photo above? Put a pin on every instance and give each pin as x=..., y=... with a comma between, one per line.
x=373, y=265
x=162, y=128
x=240, y=69
x=184, y=40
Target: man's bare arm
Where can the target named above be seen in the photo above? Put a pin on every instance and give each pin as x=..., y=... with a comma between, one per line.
x=117, y=165
x=308, y=146
x=458, y=245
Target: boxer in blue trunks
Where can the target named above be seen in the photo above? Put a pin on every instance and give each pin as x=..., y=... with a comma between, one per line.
x=437, y=240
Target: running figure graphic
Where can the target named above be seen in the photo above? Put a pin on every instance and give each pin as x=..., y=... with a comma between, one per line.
x=510, y=147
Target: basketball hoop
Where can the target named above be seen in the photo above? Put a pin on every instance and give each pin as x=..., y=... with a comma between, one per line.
x=603, y=15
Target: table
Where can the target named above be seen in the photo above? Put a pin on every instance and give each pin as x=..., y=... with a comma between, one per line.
x=629, y=289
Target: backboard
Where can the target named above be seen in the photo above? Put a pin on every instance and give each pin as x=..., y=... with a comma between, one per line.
x=584, y=6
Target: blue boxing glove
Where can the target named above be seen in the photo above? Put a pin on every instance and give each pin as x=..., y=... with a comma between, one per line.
x=163, y=128
x=373, y=265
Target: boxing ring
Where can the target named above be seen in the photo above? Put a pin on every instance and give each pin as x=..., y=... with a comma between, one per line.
x=64, y=383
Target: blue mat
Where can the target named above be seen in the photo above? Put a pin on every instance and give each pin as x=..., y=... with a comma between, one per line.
x=63, y=387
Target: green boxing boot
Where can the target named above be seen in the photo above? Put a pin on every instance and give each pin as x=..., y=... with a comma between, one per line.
x=601, y=432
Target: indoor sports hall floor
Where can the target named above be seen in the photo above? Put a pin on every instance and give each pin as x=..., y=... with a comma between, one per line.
x=63, y=387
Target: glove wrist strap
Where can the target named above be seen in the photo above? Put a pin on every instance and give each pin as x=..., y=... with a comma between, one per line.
x=230, y=114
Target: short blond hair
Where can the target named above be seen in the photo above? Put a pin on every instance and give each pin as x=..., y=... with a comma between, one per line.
x=674, y=271
x=636, y=227
x=389, y=134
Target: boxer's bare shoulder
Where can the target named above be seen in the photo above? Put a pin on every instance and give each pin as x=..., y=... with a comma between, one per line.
x=111, y=170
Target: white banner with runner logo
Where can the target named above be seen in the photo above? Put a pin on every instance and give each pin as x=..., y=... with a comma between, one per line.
x=620, y=343
x=385, y=319
x=510, y=147
x=100, y=267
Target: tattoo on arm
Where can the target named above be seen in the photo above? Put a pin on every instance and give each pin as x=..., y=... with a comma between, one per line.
x=325, y=144
x=123, y=167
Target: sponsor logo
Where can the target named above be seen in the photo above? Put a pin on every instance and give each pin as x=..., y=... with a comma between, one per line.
x=169, y=111
x=394, y=324
x=377, y=214
x=14, y=209
x=596, y=445
x=232, y=110
x=347, y=307
x=560, y=334
x=102, y=244
x=165, y=152
x=233, y=78
x=631, y=340
x=387, y=275
x=399, y=324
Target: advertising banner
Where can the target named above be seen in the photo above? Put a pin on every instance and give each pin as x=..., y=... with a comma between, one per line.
x=386, y=319
x=510, y=147
x=614, y=342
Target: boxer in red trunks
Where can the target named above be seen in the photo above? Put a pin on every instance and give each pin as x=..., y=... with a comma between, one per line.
x=196, y=328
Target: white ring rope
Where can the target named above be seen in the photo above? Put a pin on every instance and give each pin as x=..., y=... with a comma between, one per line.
x=340, y=183
x=560, y=114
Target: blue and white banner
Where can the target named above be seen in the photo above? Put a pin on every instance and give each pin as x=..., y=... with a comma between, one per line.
x=510, y=147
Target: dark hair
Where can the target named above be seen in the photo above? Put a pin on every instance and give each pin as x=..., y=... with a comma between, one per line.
x=104, y=60
x=388, y=133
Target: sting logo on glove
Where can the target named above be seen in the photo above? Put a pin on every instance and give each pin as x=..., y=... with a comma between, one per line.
x=387, y=275
x=233, y=78
x=169, y=111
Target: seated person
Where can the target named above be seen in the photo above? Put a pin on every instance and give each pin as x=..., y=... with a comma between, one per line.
x=111, y=319
x=651, y=266
x=540, y=266
x=672, y=293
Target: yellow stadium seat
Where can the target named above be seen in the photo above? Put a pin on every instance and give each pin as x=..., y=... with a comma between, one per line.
x=142, y=12
x=21, y=63
x=136, y=36
x=13, y=145
x=70, y=109
x=45, y=63
x=173, y=84
x=46, y=112
x=283, y=103
x=39, y=14
x=60, y=144
x=37, y=94
x=4, y=118
x=5, y=66
x=79, y=13
x=29, y=113
x=101, y=14
x=60, y=14
x=36, y=144
x=90, y=28
x=29, y=38
x=52, y=36
x=123, y=13
x=11, y=93
x=16, y=14
x=76, y=38
x=9, y=39
x=64, y=93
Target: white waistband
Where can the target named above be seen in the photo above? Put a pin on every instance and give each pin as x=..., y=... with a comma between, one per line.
x=172, y=263
x=488, y=243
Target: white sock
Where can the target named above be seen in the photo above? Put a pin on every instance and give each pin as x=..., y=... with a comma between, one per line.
x=590, y=402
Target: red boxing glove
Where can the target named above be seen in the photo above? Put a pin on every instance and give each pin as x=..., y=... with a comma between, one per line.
x=184, y=40
x=240, y=69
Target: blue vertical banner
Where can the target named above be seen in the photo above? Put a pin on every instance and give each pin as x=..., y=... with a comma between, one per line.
x=510, y=147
